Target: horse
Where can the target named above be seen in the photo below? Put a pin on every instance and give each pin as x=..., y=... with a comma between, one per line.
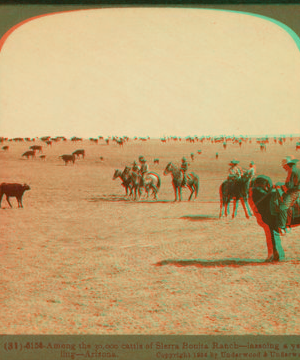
x=192, y=181
x=152, y=182
x=134, y=182
x=237, y=189
x=261, y=199
x=125, y=177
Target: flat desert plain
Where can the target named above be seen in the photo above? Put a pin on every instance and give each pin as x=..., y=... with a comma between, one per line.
x=79, y=258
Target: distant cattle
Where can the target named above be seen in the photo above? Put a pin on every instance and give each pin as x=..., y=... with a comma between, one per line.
x=42, y=157
x=13, y=190
x=29, y=153
x=68, y=158
x=101, y=158
x=192, y=156
x=79, y=152
x=75, y=139
x=297, y=146
x=49, y=142
x=5, y=148
x=263, y=147
x=199, y=151
x=36, y=148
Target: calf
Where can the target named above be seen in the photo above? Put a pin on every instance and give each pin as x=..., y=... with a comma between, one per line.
x=79, y=152
x=13, y=190
x=36, y=147
x=5, y=148
x=68, y=158
x=29, y=153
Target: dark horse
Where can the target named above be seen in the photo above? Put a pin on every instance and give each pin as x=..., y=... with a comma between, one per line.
x=192, y=181
x=235, y=190
x=127, y=183
x=261, y=201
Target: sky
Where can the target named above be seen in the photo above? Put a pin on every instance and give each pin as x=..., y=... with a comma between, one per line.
x=149, y=72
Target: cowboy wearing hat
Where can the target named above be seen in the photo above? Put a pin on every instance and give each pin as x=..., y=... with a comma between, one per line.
x=235, y=172
x=184, y=168
x=135, y=167
x=291, y=190
x=144, y=168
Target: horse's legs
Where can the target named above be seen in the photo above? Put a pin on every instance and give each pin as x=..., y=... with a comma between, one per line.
x=248, y=207
x=192, y=191
x=235, y=207
x=180, y=193
x=275, y=250
x=227, y=209
x=221, y=209
x=245, y=208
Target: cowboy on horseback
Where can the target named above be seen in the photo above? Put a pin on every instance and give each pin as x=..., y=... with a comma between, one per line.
x=144, y=169
x=135, y=167
x=184, y=169
x=235, y=171
x=291, y=190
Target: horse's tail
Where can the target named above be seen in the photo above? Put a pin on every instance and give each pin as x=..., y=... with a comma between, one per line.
x=158, y=181
x=196, y=182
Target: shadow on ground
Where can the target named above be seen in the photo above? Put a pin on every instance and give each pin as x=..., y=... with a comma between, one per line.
x=219, y=263
x=199, y=217
x=111, y=198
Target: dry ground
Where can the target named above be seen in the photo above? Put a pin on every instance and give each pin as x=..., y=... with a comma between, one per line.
x=79, y=259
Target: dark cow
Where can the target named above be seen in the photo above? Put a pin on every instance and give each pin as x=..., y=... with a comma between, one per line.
x=36, y=148
x=68, y=158
x=5, y=148
x=79, y=152
x=49, y=142
x=297, y=146
x=29, y=153
x=13, y=190
x=42, y=157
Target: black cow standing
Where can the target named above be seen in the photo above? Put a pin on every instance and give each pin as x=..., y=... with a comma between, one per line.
x=13, y=190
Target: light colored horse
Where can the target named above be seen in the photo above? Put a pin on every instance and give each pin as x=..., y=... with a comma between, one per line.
x=133, y=181
x=192, y=181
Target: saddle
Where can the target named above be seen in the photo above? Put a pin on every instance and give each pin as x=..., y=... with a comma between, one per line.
x=276, y=200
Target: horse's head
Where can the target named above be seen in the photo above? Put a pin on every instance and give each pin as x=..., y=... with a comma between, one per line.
x=168, y=168
x=116, y=174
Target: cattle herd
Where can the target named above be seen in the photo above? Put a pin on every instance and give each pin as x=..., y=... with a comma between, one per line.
x=17, y=190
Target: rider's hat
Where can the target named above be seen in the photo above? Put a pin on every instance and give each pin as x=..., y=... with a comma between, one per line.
x=251, y=162
x=233, y=162
x=183, y=159
x=289, y=160
x=142, y=159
